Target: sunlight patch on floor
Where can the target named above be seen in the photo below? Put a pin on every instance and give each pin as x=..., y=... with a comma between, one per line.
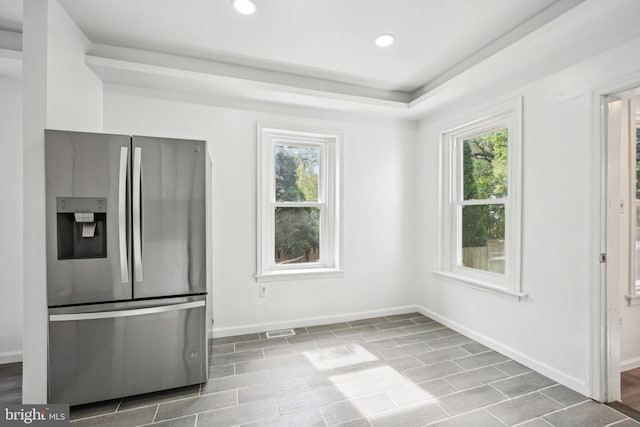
x=339, y=357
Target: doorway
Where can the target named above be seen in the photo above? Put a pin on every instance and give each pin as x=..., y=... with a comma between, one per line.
x=622, y=212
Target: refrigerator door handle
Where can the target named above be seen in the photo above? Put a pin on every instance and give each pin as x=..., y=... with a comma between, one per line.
x=137, y=214
x=122, y=214
x=124, y=313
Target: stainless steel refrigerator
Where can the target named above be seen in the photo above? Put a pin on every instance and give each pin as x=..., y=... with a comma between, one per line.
x=126, y=265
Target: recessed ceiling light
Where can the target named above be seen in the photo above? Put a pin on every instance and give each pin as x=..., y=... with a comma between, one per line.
x=245, y=7
x=385, y=40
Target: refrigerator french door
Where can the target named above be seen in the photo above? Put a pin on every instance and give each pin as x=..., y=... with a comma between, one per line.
x=126, y=264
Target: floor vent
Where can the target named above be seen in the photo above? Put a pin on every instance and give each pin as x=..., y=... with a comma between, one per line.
x=281, y=333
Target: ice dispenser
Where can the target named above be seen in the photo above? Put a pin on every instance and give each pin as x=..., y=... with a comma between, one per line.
x=82, y=227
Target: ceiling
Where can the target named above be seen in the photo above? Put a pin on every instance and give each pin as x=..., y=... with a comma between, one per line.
x=324, y=39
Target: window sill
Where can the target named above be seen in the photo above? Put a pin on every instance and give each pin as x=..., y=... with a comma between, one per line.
x=307, y=273
x=480, y=285
x=632, y=299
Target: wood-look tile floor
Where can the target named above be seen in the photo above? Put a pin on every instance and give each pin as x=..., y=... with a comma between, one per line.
x=404, y=370
x=630, y=388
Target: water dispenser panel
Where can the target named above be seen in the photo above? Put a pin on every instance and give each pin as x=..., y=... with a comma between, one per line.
x=82, y=227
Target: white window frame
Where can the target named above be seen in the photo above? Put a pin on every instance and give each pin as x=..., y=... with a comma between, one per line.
x=634, y=123
x=329, y=202
x=506, y=115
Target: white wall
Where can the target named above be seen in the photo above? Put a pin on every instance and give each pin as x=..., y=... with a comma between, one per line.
x=11, y=220
x=548, y=331
x=379, y=192
x=74, y=92
x=59, y=92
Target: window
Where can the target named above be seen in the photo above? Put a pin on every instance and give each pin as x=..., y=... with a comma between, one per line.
x=480, y=206
x=635, y=196
x=298, y=204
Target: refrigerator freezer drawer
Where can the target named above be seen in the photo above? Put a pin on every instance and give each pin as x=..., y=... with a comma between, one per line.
x=104, y=355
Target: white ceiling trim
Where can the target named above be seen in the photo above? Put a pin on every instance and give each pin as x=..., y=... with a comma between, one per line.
x=537, y=21
x=103, y=56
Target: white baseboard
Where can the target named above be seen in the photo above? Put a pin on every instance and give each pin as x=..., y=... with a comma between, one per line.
x=308, y=321
x=10, y=357
x=627, y=364
x=556, y=375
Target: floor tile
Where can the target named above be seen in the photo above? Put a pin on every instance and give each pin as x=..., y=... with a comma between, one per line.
x=423, y=319
x=474, y=378
x=318, y=336
x=283, y=361
x=415, y=338
x=384, y=334
x=362, y=422
x=225, y=359
x=431, y=372
x=538, y=422
x=512, y=368
x=564, y=395
x=410, y=395
x=480, y=359
x=131, y=418
x=395, y=324
x=372, y=321
x=449, y=341
x=525, y=383
x=469, y=400
x=159, y=397
x=94, y=409
x=413, y=416
x=354, y=331
x=310, y=399
x=437, y=387
x=236, y=381
x=189, y=421
x=587, y=414
x=438, y=356
x=180, y=408
x=222, y=348
x=341, y=412
x=524, y=408
x=424, y=327
x=406, y=370
x=311, y=418
x=379, y=345
x=625, y=423
x=479, y=418
x=254, y=345
x=405, y=350
x=395, y=317
x=336, y=342
x=445, y=332
x=292, y=349
x=237, y=415
x=382, y=381
x=399, y=365
x=330, y=327
x=475, y=347
x=218, y=371
x=234, y=339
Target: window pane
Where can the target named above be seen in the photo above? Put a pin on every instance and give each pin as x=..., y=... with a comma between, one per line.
x=297, y=170
x=485, y=166
x=297, y=236
x=483, y=237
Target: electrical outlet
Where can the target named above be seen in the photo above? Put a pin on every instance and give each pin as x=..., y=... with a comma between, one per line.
x=263, y=290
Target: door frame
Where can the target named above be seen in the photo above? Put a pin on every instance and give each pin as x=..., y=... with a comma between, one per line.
x=604, y=297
